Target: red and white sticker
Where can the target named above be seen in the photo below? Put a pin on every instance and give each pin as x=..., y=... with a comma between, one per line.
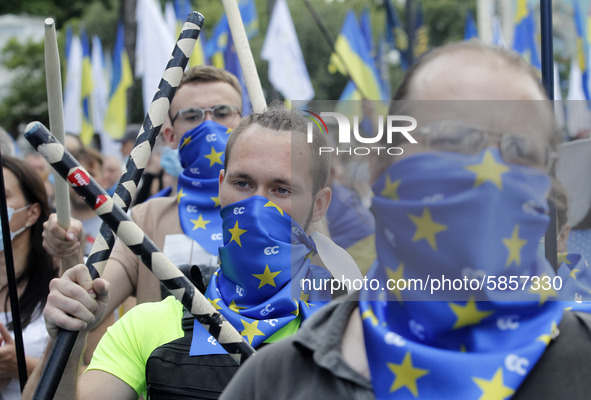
x=79, y=177
x=100, y=200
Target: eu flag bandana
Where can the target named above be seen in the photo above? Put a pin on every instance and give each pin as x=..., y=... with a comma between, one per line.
x=576, y=275
x=443, y=214
x=201, y=151
x=264, y=251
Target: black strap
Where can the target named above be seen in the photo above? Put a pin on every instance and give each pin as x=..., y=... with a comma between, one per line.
x=563, y=370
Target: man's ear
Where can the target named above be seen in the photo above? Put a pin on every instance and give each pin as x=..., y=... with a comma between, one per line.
x=168, y=134
x=321, y=203
x=221, y=178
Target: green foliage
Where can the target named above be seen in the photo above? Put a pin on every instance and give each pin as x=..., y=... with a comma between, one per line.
x=27, y=100
x=445, y=19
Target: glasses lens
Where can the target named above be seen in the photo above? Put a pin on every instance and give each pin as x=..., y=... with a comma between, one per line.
x=456, y=139
x=192, y=115
x=525, y=151
x=223, y=112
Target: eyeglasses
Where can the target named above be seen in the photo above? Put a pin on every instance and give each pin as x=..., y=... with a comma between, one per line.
x=516, y=149
x=221, y=113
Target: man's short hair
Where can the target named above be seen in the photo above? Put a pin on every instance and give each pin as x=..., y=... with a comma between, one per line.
x=207, y=73
x=278, y=118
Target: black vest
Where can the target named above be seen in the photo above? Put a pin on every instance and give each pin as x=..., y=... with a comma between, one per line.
x=171, y=374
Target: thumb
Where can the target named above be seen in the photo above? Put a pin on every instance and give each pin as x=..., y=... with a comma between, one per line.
x=6, y=335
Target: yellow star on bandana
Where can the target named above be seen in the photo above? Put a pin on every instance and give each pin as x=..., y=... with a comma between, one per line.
x=186, y=141
x=426, y=228
x=216, y=201
x=271, y=204
x=199, y=223
x=494, y=389
x=395, y=276
x=251, y=330
x=236, y=233
x=468, y=314
x=267, y=277
x=406, y=375
x=514, y=245
x=488, y=170
x=368, y=314
x=391, y=189
x=214, y=157
x=234, y=307
x=180, y=195
x=542, y=286
x=214, y=303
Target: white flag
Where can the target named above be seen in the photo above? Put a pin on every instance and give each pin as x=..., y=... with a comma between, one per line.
x=73, y=88
x=287, y=69
x=154, y=45
x=577, y=114
x=100, y=90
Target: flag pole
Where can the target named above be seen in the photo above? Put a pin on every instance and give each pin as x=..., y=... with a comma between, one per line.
x=53, y=79
x=137, y=241
x=126, y=189
x=551, y=246
x=331, y=43
x=12, y=286
x=249, y=69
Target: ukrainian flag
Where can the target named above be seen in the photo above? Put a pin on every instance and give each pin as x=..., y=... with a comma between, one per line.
x=248, y=11
x=183, y=8
x=87, y=130
x=351, y=48
x=396, y=34
x=214, y=48
x=116, y=117
x=524, y=41
x=581, y=46
x=420, y=43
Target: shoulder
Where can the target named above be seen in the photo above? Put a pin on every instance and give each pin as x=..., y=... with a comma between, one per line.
x=563, y=369
x=155, y=205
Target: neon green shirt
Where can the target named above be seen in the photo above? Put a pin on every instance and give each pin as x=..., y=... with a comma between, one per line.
x=125, y=348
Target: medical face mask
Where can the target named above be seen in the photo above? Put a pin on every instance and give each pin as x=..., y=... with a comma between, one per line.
x=11, y=211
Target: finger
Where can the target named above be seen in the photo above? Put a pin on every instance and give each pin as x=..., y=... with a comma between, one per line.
x=5, y=333
x=57, y=318
x=75, y=284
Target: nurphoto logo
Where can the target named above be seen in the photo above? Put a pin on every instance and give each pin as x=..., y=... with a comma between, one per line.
x=395, y=124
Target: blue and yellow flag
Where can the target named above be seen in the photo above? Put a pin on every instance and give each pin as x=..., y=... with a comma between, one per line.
x=182, y=8
x=232, y=64
x=524, y=41
x=581, y=51
x=420, y=41
x=87, y=129
x=215, y=46
x=396, y=35
x=470, y=30
x=248, y=12
x=116, y=117
x=353, y=57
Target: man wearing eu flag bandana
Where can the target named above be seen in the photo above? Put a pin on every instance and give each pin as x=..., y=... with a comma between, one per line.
x=268, y=204
x=187, y=227
x=467, y=201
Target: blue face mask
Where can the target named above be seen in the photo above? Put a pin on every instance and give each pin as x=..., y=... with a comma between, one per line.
x=170, y=161
x=11, y=212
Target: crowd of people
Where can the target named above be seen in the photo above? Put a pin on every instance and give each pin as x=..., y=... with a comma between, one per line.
x=234, y=200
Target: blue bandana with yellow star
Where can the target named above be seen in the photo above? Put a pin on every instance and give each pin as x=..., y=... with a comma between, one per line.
x=576, y=277
x=466, y=218
x=264, y=251
x=201, y=151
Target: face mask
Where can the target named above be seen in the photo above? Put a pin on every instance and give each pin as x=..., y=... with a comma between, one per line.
x=201, y=150
x=111, y=191
x=11, y=211
x=169, y=160
x=454, y=216
x=264, y=256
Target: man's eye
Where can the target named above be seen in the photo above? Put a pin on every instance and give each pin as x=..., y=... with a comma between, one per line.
x=241, y=184
x=283, y=190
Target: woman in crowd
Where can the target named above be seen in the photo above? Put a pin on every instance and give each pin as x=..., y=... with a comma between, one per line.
x=28, y=209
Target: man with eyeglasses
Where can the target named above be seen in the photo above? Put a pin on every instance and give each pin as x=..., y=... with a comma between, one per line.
x=464, y=307
x=186, y=226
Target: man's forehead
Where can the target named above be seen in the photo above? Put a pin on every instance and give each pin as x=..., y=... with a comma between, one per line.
x=206, y=94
